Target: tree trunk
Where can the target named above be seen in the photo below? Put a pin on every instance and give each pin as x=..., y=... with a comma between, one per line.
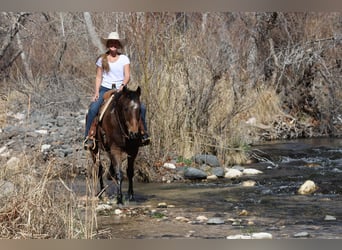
x=25, y=61
x=91, y=30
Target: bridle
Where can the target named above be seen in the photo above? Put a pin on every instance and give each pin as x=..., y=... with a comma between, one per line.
x=120, y=124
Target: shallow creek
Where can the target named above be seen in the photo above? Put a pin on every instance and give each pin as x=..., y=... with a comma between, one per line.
x=272, y=205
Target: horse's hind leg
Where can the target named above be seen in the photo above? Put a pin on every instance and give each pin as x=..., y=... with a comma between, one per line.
x=100, y=178
x=116, y=172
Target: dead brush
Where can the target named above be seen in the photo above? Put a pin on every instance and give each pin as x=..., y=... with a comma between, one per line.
x=43, y=208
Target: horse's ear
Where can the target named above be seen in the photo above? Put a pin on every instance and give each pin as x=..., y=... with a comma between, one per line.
x=125, y=89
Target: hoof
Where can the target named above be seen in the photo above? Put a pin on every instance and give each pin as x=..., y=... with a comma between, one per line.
x=132, y=198
x=119, y=201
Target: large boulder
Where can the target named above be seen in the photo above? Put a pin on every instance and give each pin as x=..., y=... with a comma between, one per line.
x=210, y=160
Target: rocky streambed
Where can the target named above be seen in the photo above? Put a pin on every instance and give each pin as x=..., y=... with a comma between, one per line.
x=270, y=199
x=259, y=200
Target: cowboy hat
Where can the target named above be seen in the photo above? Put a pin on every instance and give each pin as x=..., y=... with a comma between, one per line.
x=112, y=36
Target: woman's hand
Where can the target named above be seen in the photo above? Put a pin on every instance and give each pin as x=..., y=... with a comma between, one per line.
x=121, y=87
x=95, y=97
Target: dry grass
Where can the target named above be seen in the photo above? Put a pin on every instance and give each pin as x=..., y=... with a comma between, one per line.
x=42, y=206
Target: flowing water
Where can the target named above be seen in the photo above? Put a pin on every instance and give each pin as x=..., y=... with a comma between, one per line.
x=217, y=209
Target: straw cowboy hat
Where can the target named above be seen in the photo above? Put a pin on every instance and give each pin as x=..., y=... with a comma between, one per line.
x=112, y=36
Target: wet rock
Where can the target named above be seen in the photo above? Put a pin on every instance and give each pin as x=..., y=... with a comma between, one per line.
x=210, y=160
x=215, y=221
x=308, y=187
x=237, y=167
x=194, y=174
x=233, y=173
x=218, y=171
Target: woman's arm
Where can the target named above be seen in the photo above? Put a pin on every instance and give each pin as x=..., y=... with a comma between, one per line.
x=126, y=76
x=97, y=83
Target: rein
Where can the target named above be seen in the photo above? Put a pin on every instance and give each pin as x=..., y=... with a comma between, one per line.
x=120, y=125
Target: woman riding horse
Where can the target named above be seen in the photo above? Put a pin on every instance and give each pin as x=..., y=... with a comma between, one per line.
x=112, y=72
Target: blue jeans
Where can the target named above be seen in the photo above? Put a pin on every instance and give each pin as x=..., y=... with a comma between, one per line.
x=94, y=108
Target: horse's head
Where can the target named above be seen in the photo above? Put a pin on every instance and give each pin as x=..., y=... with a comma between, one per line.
x=129, y=104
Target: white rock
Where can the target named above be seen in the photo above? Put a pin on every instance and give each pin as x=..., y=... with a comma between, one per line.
x=249, y=183
x=329, y=217
x=6, y=154
x=251, y=171
x=13, y=163
x=251, y=121
x=45, y=147
x=182, y=219
x=301, y=235
x=201, y=218
x=162, y=205
x=212, y=177
x=239, y=237
x=261, y=235
x=19, y=116
x=3, y=149
x=251, y=236
x=117, y=211
x=232, y=173
x=169, y=165
x=41, y=131
x=103, y=207
x=307, y=188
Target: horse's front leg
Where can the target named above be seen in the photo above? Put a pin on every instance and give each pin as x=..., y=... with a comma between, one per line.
x=130, y=173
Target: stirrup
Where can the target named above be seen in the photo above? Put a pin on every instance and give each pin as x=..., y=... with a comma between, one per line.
x=89, y=143
x=145, y=140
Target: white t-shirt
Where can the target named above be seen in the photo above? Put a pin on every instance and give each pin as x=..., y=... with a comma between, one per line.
x=115, y=75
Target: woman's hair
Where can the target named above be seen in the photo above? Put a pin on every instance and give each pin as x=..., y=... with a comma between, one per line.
x=105, y=64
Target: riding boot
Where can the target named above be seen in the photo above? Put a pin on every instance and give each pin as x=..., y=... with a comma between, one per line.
x=144, y=137
x=89, y=142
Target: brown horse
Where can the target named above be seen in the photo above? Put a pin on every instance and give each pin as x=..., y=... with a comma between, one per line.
x=118, y=134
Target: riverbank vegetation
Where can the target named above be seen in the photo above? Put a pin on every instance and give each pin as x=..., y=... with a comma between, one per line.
x=212, y=83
